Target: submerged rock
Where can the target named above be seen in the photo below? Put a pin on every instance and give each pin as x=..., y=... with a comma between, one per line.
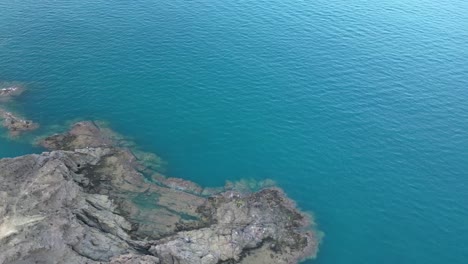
x=12, y=122
x=15, y=124
x=9, y=92
x=86, y=201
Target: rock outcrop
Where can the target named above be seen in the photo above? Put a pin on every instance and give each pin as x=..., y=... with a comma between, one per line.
x=87, y=201
x=15, y=124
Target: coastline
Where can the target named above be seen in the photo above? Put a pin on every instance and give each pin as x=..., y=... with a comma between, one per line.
x=90, y=195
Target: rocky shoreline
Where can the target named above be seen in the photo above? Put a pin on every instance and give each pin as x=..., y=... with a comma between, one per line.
x=87, y=200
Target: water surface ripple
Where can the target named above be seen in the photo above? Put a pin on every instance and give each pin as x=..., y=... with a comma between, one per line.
x=356, y=108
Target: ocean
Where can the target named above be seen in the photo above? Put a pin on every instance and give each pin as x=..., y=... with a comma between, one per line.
x=357, y=109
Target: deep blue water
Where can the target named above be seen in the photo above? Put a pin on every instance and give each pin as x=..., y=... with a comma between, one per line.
x=357, y=108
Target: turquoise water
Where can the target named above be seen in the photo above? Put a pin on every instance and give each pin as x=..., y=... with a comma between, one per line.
x=358, y=109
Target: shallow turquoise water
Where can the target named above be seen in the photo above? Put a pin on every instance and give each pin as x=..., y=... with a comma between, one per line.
x=358, y=109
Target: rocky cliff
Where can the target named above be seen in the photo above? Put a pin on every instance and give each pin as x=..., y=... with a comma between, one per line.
x=89, y=200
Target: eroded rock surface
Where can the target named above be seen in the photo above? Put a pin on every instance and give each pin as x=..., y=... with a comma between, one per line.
x=86, y=201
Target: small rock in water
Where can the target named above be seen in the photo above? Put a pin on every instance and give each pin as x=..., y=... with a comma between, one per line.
x=15, y=124
x=12, y=122
x=11, y=91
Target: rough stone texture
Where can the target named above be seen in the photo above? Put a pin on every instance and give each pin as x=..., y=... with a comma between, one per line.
x=240, y=223
x=81, y=135
x=86, y=201
x=134, y=259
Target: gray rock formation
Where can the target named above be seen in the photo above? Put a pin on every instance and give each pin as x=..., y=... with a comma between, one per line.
x=86, y=201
